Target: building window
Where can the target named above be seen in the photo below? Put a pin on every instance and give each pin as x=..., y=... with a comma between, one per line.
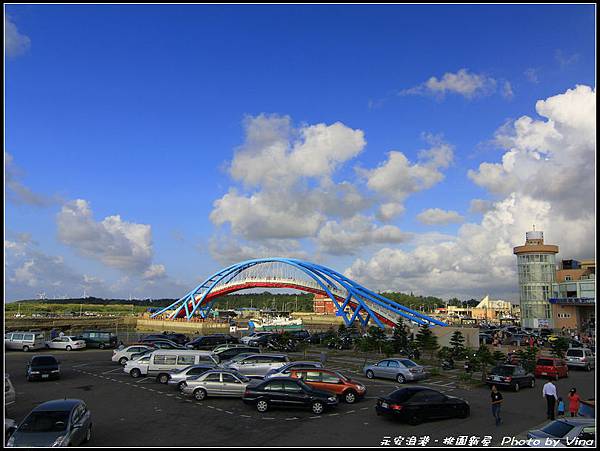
x=568, y=278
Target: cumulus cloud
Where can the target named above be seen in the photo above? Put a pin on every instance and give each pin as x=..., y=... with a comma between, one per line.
x=16, y=191
x=463, y=82
x=114, y=242
x=395, y=179
x=546, y=178
x=228, y=250
x=351, y=235
x=437, y=216
x=480, y=205
x=15, y=43
x=155, y=272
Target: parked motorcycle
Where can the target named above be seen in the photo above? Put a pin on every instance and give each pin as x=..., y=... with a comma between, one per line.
x=448, y=364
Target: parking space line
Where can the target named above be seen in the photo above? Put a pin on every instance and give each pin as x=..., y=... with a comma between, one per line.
x=113, y=370
x=314, y=418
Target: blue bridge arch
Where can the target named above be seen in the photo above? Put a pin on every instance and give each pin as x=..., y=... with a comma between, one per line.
x=351, y=300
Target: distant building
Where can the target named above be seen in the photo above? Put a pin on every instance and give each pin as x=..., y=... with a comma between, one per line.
x=574, y=295
x=323, y=304
x=536, y=264
x=493, y=310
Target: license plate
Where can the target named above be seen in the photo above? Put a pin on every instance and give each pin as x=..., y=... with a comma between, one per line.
x=544, y=374
x=44, y=376
x=497, y=378
x=384, y=404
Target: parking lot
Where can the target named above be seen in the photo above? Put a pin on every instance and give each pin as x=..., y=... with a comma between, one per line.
x=142, y=412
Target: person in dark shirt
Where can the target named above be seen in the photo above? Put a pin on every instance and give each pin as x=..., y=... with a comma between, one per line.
x=496, y=404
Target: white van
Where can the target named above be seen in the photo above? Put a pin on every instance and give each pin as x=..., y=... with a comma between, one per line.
x=162, y=361
x=24, y=341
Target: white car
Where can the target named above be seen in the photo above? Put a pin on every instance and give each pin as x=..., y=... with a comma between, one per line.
x=9, y=391
x=68, y=343
x=253, y=336
x=124, y=355
x=138, y=367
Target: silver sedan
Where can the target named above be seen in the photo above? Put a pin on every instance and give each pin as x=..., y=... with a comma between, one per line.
x=178, y=378
x=402, y=370
x=216, y=383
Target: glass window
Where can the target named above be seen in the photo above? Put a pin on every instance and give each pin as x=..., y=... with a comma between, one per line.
x=213, y=377
x=28, y=337
x=291, y=387
x=228, y=378
x=383, y=363
x=165, y=359
x=393, y=364
x=274, y=386
x=46, y=421
x=312, y=376
x=185, y=360
x=17, y=336
x=557, y=429
x=330, y=378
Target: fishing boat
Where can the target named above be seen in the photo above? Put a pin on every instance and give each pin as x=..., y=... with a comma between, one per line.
x=265, y=323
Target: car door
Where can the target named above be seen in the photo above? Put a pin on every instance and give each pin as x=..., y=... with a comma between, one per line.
x=437, y=405
x=331, y=382
x=418, y=404
x=276, y=394
x=212, y=384
x=393, y=368
x=76, y=426
x=380, y=368
x=295, y=396
x=232, y=386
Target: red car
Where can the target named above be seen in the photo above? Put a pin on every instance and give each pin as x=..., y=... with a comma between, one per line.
x=551, y=367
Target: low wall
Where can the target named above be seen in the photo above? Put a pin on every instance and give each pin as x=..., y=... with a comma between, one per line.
x=199, y=327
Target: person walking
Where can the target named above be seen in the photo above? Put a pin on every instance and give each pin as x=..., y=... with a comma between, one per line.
x=496, y=404
x=561, y=408
x=574, y=400
x=549, y=392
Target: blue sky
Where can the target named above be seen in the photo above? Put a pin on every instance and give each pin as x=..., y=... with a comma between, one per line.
x=138, y=111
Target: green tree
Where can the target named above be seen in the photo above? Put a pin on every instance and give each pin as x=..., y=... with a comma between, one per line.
x=498, y=356
x=426, y=341
x=485, y=358
x=528, y=357
x=457, y=344
x=400, y=336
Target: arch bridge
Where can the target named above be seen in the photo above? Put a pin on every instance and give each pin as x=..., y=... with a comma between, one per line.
x=351, y=300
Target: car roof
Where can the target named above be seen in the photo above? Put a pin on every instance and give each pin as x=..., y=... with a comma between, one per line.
x=58, y=404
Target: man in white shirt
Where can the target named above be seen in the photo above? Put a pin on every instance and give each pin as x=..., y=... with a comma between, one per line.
x=549, y=392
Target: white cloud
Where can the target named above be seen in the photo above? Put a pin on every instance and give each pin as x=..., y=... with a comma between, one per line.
x=546, y=178
x=351, y=235
x=15, y=43
x=155, y=272
x=480, y=205
x=437, y=216
x=531, y=74
x=114, y=242
x=507, y=91
x=16, y=191
x=228, y=250
x=564, y=59
x=397, y=178
x=463, y=82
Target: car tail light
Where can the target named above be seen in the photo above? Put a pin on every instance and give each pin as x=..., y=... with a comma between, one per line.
x=584, y=359
x=508, y=379
x=396, y=406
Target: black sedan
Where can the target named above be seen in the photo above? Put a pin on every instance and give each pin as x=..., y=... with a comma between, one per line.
x=511, y=376
x=417, y=404
x=286, y=392
x=42, y=367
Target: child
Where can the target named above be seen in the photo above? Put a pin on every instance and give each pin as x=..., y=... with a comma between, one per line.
x=561, y=407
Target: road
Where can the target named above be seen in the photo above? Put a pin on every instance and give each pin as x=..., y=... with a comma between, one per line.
x=141, y=412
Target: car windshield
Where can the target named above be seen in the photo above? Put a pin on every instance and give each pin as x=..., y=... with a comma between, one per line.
x=557, y=428
x=575, y=352
x=45, y=422
x=502, y=370
x=43, y=361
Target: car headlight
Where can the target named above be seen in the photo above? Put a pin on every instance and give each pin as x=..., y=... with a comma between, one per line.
x=55, y=371
x=59, y=441
x=35, y=372
x=332, y=399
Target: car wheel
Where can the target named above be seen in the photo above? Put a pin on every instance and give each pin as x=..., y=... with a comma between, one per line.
x=415, y=419
x=516, y=386
x=123, y=361
x=101, y=345
x=135, y=373
x=262, y=406
x=25, y=348
x=88, y=435
x=200, y=394
x=350, y=397
x=370, y=374
x=68, y=348
x=318, y=407
x=400, y=379
x=163, y=378
x=464, y=412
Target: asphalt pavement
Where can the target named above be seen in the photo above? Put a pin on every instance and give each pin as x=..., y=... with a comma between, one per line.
x=142, y=412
